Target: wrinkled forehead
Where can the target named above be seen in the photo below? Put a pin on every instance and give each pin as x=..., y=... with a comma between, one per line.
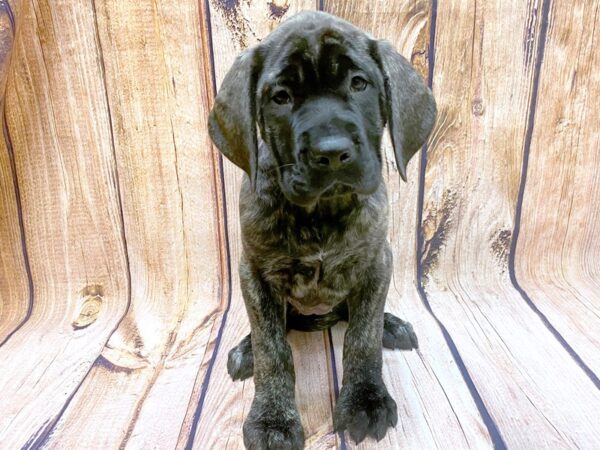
x=314, y=47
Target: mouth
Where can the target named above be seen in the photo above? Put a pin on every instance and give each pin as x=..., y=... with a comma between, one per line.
x=302, y=193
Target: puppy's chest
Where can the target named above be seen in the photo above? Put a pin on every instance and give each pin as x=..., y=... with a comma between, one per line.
x=313, y=261
x=313, y=283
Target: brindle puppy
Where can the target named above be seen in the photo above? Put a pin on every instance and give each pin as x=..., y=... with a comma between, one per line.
x=313, y=211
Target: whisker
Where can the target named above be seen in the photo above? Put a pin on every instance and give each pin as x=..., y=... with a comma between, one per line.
x=280, y=167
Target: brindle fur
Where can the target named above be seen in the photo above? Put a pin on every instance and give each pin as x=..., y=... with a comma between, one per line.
x=314, y=240
x=397, y=334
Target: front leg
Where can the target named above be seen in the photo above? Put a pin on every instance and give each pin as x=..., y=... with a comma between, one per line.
x=273, y=421
x=364, y=406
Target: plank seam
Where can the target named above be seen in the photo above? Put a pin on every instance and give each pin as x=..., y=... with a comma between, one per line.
x=13, y=168
x=49, y=429
x=11, y=16
x=336, y=388
x=26, y=262
x=205, y=383
x=489, y=422
x=519, y=206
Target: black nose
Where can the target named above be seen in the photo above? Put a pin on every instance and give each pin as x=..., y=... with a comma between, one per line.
x=331, y=152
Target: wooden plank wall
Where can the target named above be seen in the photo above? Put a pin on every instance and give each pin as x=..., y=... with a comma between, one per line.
x=120, y=239
x=15, y=286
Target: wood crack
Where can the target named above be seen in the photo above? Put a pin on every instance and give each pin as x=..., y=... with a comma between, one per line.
x=19, y=207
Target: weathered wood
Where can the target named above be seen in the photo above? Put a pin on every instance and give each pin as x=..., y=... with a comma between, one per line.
x=225, y=403
x=158, y=89
x=557, y=260
x=485, y=87
x=434, y=405
x=116, y=213
x=15, y=292
x=58, y=123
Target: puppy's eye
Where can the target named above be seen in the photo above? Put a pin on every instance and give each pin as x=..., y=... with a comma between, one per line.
x=282, y=97
x=358, y=84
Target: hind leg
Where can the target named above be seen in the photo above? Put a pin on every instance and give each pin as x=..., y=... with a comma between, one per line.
x=240, y=361
x=398, y=334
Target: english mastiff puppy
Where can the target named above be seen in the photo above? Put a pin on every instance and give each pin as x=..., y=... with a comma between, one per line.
x=303, y=114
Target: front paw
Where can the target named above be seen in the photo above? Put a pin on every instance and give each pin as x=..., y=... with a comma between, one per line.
x=273, y=426
x=365, y=409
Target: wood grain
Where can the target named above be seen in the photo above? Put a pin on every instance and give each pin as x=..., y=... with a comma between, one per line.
x=15, y=290
x=485, y=93
x=154, y=55
x=435, y=407
x=119, y=234
x=557, y=254
x=58, y=124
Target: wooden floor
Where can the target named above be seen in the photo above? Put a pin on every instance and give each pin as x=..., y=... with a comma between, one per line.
x=119, y=230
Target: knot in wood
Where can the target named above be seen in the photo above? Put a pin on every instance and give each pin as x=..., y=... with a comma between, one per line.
x=477, y=107
x=91, y=305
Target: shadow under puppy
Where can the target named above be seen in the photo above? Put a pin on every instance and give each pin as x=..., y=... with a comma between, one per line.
x=314, y=211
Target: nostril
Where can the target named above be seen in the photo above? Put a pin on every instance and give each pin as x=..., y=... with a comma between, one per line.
x=323, y=161
x=331, y=153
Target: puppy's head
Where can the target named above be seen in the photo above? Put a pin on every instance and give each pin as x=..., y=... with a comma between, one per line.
x=320, y=91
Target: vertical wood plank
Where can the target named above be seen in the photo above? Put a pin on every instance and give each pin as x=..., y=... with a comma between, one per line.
x=434, y=404
x=224, y=403
x=106, y=170
x=15, y=291
x=484, y=76
x=557, y=259
x=59, y=128
x=158, y=87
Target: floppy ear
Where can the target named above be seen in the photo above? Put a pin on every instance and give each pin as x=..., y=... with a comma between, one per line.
x=232, y=120
x=409, y=106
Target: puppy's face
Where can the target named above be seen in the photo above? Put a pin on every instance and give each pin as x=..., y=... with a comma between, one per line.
x=320, y=113
x=321, y=91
